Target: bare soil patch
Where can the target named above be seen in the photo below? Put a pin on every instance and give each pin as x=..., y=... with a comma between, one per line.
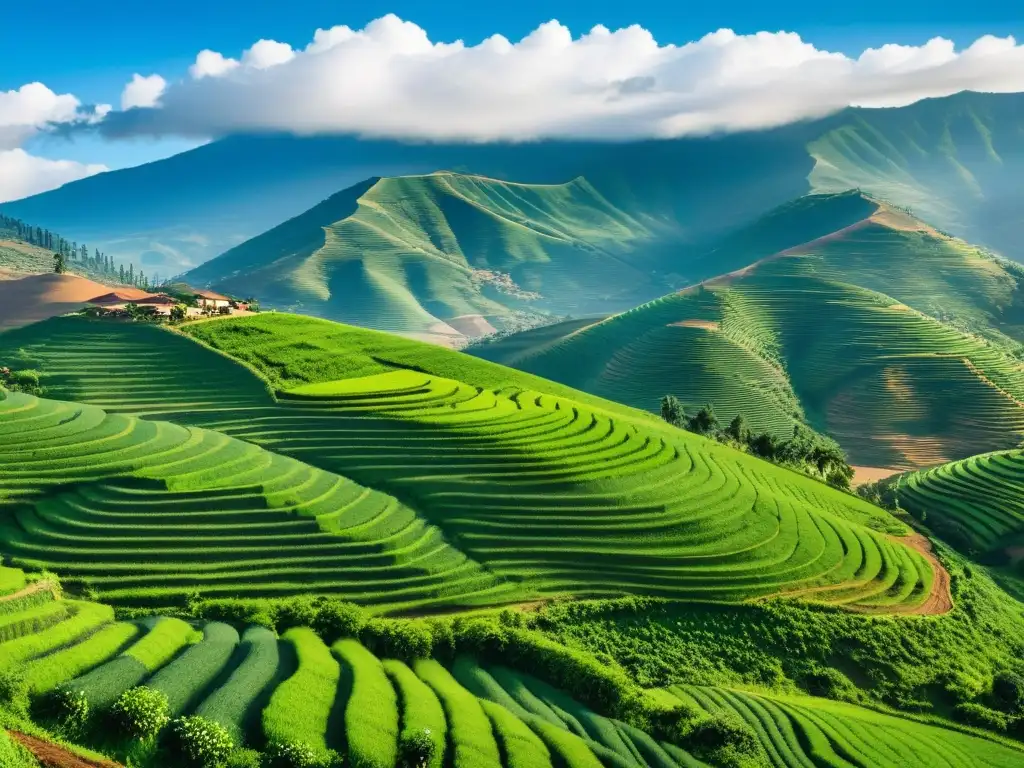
x=472, y=325
x=864, y=475
x=902, y=222
x=52, y=755
x=31, y=589
x=37, y=297
x=940, y=600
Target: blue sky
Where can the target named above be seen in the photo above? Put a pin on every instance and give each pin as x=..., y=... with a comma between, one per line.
x=92, y=48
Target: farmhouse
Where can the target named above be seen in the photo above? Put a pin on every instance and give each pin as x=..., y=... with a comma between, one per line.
x=211, y=300
x=158, y=303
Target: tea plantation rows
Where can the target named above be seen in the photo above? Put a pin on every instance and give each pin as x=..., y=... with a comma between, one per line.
x=296, y=689
x=982, y=496
x=144, y=511
x=811, y=732
x=550, y=495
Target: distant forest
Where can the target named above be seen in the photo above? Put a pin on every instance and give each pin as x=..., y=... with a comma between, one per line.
x=98, y=264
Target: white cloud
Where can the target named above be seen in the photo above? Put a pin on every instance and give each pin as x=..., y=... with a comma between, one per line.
x=143, y=91
x=22, y=174
x=211, y=64
x=390, y=79
x=32, y=108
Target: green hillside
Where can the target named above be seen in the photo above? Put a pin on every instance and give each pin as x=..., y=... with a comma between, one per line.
x=955, y=161
x=977, y=502
x=503, y=464
x=408, y=254
x=899, y=341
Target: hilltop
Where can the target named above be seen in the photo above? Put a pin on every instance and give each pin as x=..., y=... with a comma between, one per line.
x=838, y=311
x=424, y=255
x=955, y=160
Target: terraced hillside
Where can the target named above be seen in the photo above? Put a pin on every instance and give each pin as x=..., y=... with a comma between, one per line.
x=408, y=254
x=979, y=499
x=896, y=340
x=807, y=732
x=144, y=511
x=503, y=463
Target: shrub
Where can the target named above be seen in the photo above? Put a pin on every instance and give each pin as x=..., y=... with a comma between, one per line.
x=335, y=620
x=244, y=758
x=722, y=739
x=416, y=748
x=69, y=708
x=300, y=612
x=199, y=743
x=13, y=690
x=398, y=639
x=140, y=712
x=980, y=716
x=672, y=411
x=1008, y=692
x=290, y=754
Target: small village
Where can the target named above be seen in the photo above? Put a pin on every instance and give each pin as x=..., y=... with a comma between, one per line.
x=181, y=303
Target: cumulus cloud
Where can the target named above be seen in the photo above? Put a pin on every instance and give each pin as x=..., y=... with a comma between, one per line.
x=22, y=174
x=32, y=108
x=389, y=79
x=143, y=91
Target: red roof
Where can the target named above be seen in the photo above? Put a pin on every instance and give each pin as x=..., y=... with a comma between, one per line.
x=112, y=298
x=211, y=296
x=156, y=298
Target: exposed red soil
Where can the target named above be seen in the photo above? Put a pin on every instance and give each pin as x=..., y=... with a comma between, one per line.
x=52, y=755
x=940, y=600
x=864, y=475
x=38, y=297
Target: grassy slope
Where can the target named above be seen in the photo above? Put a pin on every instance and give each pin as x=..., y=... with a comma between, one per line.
x=450, y=435
x=812, y=335
x=403, y=254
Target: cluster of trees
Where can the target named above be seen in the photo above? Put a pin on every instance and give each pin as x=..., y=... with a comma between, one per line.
x=69, y=252
x=806, y=450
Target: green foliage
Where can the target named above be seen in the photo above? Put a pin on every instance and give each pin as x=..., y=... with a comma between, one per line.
x=13, y=755
x=140, y=713
x=178, y=313
x=14, y=690
x=245, y=758
x=300, y=707
x=672, y=411
x=68, y=709
x=402, y=639
x=704, y=422
x=186, y=678
x=293, y=754
x=198, y=742
x=337, y=619
x=723, y=739
x=468, y=727
x=27, y=381
x=981, y=716
x=416, y=748
x=371, y=714
x=420, y=710
x=1008, y=692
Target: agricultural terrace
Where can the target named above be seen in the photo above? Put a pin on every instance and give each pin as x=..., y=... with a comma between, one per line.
x=793, y=340
x=143, y=511
x=550, y=495
x=807, y=732
x=978, y=503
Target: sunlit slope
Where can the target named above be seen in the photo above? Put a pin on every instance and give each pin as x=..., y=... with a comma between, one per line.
x=895, y=339
x=551, y=492
x=408, y=253
x=805, y=731
x=956, y=161
x=981, y=498
x=145, y=510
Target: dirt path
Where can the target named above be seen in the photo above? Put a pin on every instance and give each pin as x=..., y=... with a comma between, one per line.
x=863, y=475
x=52, y=755
x=941, y=599
x=31, y=589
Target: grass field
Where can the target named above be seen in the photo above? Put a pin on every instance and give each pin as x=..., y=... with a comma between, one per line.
x=503, y=472
x=408, y=253
x=894, y=339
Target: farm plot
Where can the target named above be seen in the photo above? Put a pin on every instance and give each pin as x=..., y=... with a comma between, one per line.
x=806, y=732
x=981, y=496
x=548, y=491
x=144, y=510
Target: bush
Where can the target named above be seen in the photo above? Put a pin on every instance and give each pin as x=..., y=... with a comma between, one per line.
x=416, y=748
x=980, y=716
x=721, y=739
x=69, y=708
x=299, y=612
x=244, y=758
x=335, y=620
x=398, y=639
x=13, y=690
x=199, y=743
x=290, y=754
x=141, y=712
x=672, y=411
x=1008, y=692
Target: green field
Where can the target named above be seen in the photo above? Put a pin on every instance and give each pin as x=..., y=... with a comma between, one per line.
x=407, y=254
x=506, y=492
x=897, y=341
x=980, y=499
